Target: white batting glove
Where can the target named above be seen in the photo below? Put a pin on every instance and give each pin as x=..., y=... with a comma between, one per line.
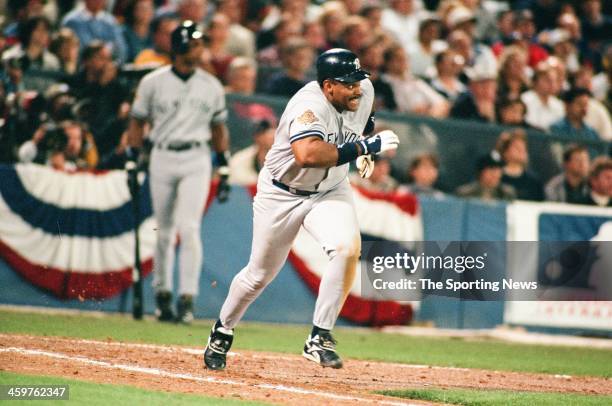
x=383, y=141
x=365, y=166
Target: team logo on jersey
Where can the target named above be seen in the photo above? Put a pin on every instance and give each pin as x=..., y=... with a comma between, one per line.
x=308, y=117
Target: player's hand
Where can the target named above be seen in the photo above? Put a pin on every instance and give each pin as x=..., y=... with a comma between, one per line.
x=223, y=190
x=365, y=166
x=383, y=141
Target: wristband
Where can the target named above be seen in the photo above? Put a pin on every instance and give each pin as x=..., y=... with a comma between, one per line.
x=347, y=153
x=222, y=158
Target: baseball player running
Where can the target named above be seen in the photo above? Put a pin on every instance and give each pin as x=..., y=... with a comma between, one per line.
x=304, y=184
x=185, y=107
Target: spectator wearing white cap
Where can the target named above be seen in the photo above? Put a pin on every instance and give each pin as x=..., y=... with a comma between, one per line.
x=479, y=102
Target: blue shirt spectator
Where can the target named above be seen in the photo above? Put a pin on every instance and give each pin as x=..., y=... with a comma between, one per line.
x=576, y=105
x=92, y=22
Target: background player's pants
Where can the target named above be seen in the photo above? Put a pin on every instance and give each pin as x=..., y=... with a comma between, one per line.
x=180, y=181
x=277, y=217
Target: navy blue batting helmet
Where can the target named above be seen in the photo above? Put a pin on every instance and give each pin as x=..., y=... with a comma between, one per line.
x=339, y=64
x=183, y=34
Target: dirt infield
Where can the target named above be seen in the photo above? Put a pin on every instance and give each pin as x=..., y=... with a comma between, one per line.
x=268, y=377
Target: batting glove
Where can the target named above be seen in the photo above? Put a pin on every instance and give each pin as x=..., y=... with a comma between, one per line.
x=383, y=141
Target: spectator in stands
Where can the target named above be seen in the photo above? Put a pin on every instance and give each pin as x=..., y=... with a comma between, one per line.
x=314, y=34
x=505, y=28
x=423, y=54
x=461, y=18
x=561, y=83
x=242, y=76
x=601, y=82
x=19, y=11
x=65, y=45
x=525, y=35
x=246, y=163
x=285, y=29
x=159, y=54
x=479, y=102
x=486, y=27
x=372, y=12
x=570, y=186
x=137, y=28
x=181, y=10
x=477, y=57
x=102, y=100
x=597, y=116
x=511, y=112
x=353, y=7
x=372, y=60
x=512, y=147
x=218, y=34
x=32, y=51
x=402, y=21
x=488, y=185
x=596, y=28
x=93, y=22
x=66, y=147
x=576, y=108
x=332, y=18
x=423, y=174
x=543, y=108
x=13, y=76
x=380, y=180
x=356, y=33
x=297, y=56
x=513, y=78
x=563, y=47
x=241, y=40
x=411, y=94
x=600, y=183
x=449, y=65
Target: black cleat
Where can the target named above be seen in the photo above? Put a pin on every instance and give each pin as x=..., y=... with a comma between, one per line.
x=184, y=309
x=219, y=344
x=164, y=310
x=322, y=350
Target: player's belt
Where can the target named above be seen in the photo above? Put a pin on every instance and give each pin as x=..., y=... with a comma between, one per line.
x=179, y=146
x=292, y=190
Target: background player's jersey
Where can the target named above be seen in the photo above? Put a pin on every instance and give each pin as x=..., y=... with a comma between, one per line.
x=308, y=114
x=179, y=110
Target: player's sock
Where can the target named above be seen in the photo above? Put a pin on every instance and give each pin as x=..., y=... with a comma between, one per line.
x=317, y=330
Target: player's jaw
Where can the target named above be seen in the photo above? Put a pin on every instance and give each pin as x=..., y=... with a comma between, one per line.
x=347, y=96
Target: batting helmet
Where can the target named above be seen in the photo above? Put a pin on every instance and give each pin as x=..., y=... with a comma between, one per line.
x=184, y=33
x=341, y=65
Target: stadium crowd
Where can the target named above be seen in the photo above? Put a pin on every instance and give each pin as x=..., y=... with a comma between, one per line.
x=69, y=69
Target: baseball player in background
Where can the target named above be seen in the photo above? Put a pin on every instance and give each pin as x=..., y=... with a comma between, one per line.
x=304, y=184
x=185, y=108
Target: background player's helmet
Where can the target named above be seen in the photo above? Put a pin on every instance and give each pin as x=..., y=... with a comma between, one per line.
x=184, y=33
x=341, y=65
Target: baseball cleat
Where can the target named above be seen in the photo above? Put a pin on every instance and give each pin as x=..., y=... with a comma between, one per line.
x=219, y=344
x=163, y=310
x=184, y=309
x=322, y=350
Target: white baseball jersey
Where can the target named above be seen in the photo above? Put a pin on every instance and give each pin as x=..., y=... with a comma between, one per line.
x=308, y=114
x=179, y=110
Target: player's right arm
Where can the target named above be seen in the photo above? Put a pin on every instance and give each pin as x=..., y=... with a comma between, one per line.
x=140, y=113
x=136, y=130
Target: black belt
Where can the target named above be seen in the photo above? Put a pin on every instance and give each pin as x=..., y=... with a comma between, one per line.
x=292, y=190
x=179, y=146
